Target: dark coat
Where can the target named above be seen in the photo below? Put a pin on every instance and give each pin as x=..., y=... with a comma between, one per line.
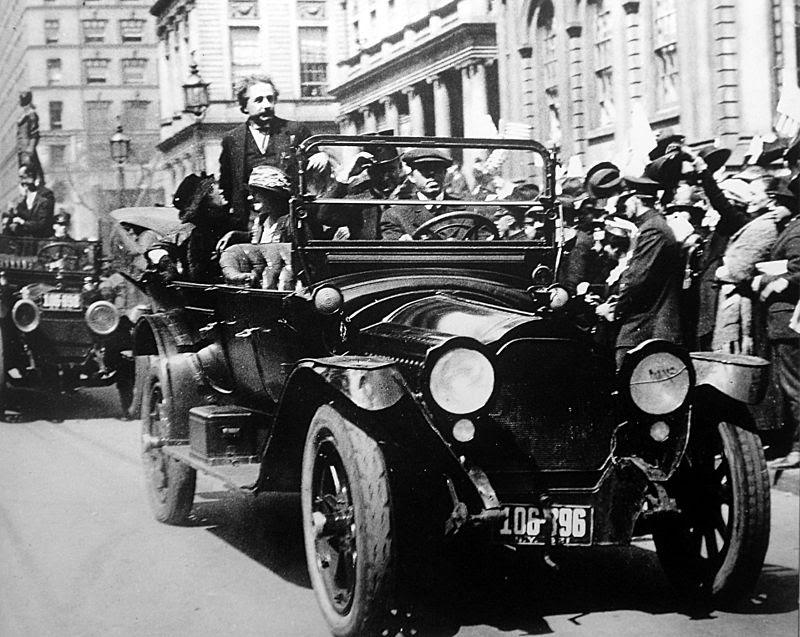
x=780, y=306
x=650, y=287
x=39, y=218
x=234, y=168
x=399, y=220
x=702, y=310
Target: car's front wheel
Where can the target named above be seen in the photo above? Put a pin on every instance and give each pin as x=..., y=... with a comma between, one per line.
x=713, y=550
x=347, y=524
x=170, y=483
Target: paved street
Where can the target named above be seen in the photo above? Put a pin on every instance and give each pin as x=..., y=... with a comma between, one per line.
x=82, y=556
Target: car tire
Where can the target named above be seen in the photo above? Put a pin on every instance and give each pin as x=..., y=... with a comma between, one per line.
x=350, y=562
x=170, y=483
x=713, y=549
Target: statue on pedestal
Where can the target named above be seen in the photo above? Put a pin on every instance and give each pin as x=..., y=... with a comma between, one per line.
x=28, y=137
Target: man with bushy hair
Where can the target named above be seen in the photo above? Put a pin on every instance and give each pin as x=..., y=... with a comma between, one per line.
x=264, y=139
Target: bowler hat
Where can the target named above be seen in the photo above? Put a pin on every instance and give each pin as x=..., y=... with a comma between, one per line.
x=599, y=166
x=715, y=157
x=426, y=155
x=62, y=217
x=185, y=191
x=665, y=143
x=382, y=154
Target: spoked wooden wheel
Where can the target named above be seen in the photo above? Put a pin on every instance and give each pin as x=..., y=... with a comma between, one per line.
x=714, y=548
x=347, y=525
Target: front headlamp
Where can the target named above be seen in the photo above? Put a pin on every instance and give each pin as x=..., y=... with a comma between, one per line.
x=657, y=377
x=460, y=380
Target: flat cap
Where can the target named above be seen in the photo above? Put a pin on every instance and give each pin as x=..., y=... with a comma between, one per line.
x=641, y=186
x=426, y=155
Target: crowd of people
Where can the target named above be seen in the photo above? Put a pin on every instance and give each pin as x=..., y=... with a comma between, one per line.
x=683, y=252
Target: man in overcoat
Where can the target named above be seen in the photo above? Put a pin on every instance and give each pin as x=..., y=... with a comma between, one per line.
x=264, y=139
x=650, y=287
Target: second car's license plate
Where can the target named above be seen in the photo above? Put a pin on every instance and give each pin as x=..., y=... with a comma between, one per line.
x=525, y=525
x=62, y=301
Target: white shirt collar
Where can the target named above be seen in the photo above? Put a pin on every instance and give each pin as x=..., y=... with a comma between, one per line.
x=439, y=197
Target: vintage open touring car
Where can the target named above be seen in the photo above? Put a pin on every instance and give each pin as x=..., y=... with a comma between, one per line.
x=419, y=391
x=65, y=317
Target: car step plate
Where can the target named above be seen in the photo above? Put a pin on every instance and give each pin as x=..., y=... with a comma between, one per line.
x=524, y=525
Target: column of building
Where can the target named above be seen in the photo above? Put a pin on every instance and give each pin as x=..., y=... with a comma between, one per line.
x=574, y=33
x=727, y=80
x=441, y=107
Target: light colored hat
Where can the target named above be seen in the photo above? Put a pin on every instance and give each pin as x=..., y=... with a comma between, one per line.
x=737, y=190
x=270, y=178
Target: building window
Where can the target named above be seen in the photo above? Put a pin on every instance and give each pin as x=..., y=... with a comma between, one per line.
x=51, y=29
x=53, y=71
x=603, y=71
x=238, y=9
x=665, y=38
x=56, y=109
x=96, y=70
x=245, y=52
x=58, y=154
x=131, y=30
x=134, y=115
x=94, y=31
x=313, y=61
x=97, y=116
x=133, y=70
x=549, y=56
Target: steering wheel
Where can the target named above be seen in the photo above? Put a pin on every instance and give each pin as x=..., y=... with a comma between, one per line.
x=58, y=250
x=457, y=226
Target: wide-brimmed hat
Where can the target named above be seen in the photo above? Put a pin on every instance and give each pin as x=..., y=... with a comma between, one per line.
x=715, y=157
x=426, y=155
x=185, y=191
x=666, y=170
x=271, y=179
x=603, y=182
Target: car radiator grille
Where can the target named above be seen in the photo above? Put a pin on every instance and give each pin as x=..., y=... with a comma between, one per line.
x=553, y=404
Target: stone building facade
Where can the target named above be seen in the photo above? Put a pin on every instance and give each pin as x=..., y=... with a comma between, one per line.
x=289, y=40
x=578, y=71
x=90, y=64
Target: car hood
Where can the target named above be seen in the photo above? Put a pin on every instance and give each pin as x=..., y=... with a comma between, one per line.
x=462, y=317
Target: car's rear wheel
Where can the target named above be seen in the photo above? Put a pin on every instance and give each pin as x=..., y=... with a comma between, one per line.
x=713, y=550
x=170, y=483
x=347, y=524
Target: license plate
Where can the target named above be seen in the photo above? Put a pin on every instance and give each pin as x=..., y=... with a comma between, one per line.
x=62, y=301
x=524, y=525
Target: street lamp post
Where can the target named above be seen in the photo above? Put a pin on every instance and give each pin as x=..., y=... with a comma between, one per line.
x=195, y=101
x=120, y=149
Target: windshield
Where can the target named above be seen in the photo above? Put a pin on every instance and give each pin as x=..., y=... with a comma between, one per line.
x=47, y=255
x=387, y=189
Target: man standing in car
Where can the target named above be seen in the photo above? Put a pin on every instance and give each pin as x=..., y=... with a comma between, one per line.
x=650, y=287
x=264, y=139
x=428, y=169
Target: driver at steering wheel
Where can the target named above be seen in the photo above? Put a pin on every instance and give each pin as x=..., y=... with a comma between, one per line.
x=427, y=176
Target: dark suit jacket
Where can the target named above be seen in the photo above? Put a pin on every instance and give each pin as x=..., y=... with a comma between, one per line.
x=780, y=306
x=399, y=220
x=234, y=170
x=650, y=287
x=39, y=219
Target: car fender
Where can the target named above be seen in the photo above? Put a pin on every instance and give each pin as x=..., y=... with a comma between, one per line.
x=711, y=406
x=373, y=395
x=168, y=342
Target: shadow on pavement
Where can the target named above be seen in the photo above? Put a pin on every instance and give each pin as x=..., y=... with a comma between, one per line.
x=28, y=405
x=513, y=591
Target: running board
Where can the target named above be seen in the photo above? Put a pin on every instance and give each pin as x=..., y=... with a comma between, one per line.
x=235, y=475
